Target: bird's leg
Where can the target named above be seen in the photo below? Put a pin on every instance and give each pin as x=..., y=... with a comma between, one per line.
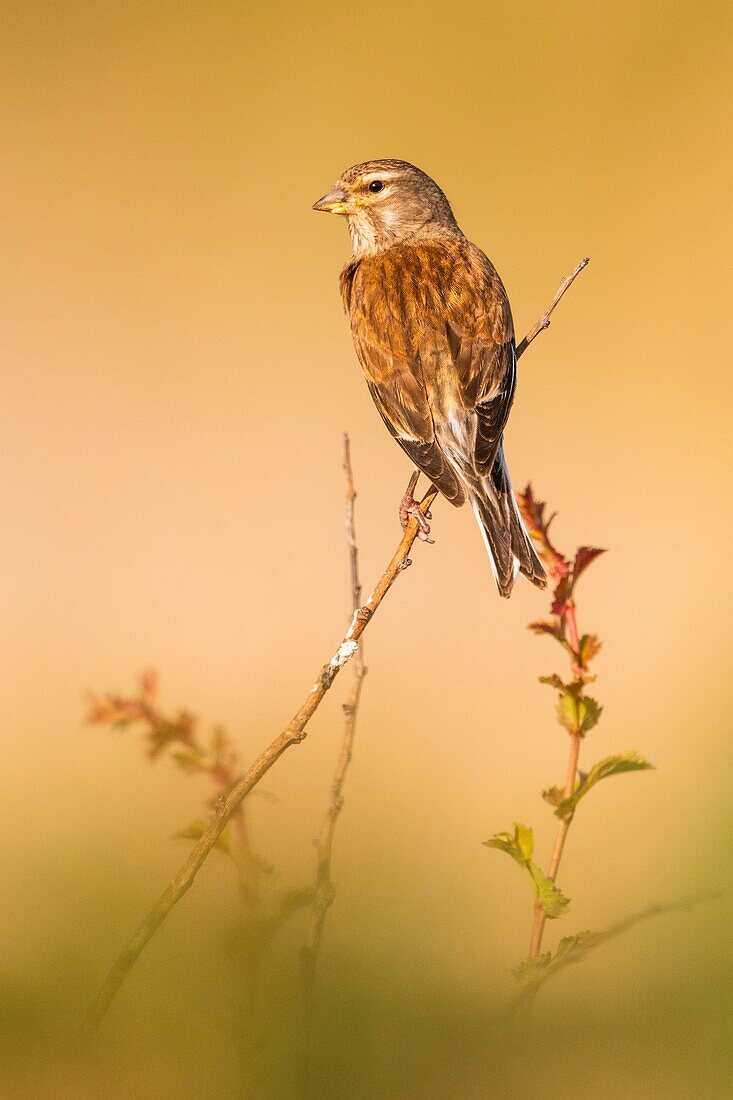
x=410, y=507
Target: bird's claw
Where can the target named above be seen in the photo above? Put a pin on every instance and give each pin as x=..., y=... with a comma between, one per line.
x=410, y=507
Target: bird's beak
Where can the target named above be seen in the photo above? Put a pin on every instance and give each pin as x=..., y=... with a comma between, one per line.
x=335, y=202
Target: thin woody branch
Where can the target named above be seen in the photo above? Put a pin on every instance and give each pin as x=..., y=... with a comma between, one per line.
x=350, y=528
x=324, y=844
x=544, y=321
x=293, y=734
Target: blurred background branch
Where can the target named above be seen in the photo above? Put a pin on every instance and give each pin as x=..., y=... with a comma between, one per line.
x=325, y=890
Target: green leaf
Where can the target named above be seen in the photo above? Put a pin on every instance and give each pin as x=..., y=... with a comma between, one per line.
x=570, y=949
x=554, y=795
x=505, y=842
x=550, y=898
x=567, y=711
x=611, y=765
x=529, y=970
x=521, y=848
x=568, y=944
x=589, y=712
x=524, y=840
x=577, y=713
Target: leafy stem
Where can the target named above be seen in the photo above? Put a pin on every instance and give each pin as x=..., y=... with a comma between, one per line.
x=562, y=831
x=578, y=713
x=569, y=625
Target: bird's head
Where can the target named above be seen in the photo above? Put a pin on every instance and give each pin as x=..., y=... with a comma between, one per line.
x=388, y=201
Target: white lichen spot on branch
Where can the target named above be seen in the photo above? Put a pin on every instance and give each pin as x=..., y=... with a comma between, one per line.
x=344, y=653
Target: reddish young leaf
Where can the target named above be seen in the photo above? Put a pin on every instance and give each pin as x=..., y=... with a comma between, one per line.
x=533, y=513
x=590, y=644
x=584, y=556
x=561, y=595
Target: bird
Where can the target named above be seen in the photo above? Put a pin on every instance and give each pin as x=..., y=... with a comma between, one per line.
x=432, y=329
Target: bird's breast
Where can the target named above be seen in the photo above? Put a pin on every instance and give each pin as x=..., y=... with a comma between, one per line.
x=398, y=300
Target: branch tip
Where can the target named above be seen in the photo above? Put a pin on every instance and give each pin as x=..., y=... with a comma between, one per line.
x=544, y=321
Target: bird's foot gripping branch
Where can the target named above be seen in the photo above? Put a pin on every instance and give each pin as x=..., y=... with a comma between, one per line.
x=577, y=713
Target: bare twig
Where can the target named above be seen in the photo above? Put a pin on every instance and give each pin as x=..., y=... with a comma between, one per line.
x=293, y=733
x=350, y=528
x=544, y=321
x=324, y=844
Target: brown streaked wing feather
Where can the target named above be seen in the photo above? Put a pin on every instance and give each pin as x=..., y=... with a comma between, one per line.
x=402, y=405
x=426, y=455
x=481, y=336
x=492, y=412
x=387, y=344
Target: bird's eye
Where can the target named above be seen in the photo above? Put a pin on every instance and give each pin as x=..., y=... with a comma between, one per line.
x=375, y=186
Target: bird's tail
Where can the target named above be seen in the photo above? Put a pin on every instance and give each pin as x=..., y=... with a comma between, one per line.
x=507, y=543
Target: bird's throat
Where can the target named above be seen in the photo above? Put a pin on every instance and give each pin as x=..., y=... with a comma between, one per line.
x=365, y=238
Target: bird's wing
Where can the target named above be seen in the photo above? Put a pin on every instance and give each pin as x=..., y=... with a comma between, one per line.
x=481, y=335
x=401, y=401
x=389, y=333
x=481, y=338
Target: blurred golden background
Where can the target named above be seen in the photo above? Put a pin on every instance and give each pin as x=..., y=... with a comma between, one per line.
x=177, y=376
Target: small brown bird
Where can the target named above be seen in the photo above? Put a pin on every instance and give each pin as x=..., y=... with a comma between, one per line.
x=433, y=331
